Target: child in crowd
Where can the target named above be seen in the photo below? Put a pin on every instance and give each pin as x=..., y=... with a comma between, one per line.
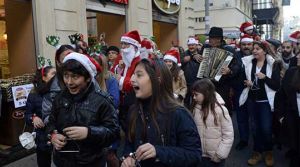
x=213, y=122
x=38, y=108
x=161, y=132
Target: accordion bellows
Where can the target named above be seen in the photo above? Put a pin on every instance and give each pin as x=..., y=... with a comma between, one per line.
x=213, y=61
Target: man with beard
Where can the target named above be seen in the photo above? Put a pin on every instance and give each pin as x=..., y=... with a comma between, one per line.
x=242, y=115
x=288, y=57
x=190, y=65
x=130, y=44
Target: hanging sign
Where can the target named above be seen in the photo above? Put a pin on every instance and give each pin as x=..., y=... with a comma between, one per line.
x=20, y=94
x=168, y=6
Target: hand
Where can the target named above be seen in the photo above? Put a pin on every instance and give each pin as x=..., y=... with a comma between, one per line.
x=186, y=58
x=58, y=141
x=260, y=75
x=225, y=70
x=198, y=58
x=128, y=162
x=145, y=151
x=76, y=132
x=248, y=83
x=37, y=122
x=121, y=64
x=215, y=159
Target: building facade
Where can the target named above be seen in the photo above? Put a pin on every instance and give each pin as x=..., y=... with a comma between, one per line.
x=228, y=14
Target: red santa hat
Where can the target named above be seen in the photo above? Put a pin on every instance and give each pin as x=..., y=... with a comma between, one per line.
x=90, y=65
x=246, y=39
x=295, y=36
x=246, y=26
x=132, y=37
x=146, y=44
x=173, y=55
x=192, y=41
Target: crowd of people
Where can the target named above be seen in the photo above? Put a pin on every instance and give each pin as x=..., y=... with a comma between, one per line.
x=131, y=106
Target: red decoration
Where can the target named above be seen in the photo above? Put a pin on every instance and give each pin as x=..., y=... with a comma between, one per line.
x=121, y=1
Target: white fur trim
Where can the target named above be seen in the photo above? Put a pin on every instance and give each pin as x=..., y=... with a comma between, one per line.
x=170, y=57
x=293, y=39
x=192, y=41
x=84, y=60
x=248, y=28
x=131, y=41
x=247, y=40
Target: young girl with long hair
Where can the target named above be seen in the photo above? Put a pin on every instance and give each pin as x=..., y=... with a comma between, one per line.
x=213, y=122
x=38, y=108
x=161, y=132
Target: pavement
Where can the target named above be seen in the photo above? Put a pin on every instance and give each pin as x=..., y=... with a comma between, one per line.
x=235, y=159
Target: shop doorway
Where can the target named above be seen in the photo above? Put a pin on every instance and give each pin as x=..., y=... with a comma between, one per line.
x=165, y=34
x=111, y=25
x=17, y=48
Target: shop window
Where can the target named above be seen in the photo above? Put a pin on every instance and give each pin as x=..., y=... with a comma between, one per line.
x=16, y=38
x=110, y=26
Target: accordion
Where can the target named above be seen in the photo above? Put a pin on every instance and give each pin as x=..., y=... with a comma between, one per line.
x=213, y=60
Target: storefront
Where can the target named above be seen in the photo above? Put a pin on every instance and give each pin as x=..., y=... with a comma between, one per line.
x=165, y=21
x=107, y=21
x=17, y=64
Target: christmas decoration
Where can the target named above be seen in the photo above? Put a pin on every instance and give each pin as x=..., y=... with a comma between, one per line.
x=74, y=38
x=53, y=40
x=43, y=62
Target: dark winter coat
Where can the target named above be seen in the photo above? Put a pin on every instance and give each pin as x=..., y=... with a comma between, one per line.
x=40, y=105
x=286, y=107
x=190, y=69
x=92, y=109
x=177, y=144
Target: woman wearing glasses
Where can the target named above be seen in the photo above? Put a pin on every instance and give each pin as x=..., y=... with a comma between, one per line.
x=261, y=82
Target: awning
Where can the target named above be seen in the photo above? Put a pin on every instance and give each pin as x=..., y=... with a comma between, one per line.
x=265, y=16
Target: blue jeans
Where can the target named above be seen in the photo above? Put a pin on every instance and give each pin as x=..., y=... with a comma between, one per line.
x=242, y=116
x=261, y=125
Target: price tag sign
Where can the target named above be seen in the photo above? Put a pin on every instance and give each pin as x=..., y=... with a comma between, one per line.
x=20, y=94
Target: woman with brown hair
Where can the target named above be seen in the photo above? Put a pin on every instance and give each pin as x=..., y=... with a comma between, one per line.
x=161, y=132
x=261, y=81
x=172, y=60
x=106, y=80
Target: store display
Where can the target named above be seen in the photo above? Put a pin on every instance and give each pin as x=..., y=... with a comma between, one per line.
x=7, y=84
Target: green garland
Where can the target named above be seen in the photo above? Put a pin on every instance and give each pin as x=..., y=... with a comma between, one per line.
x=43, y=62
x=53, y=40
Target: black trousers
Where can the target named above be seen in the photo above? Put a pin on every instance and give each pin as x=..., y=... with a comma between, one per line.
x=43, y=158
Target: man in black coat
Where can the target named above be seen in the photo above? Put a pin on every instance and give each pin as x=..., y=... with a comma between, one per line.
x=190, y=66
x=228, y=73
x=83, y=121
x=242, y=115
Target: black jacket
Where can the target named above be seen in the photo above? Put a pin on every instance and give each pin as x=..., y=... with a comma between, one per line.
x=40, y=104
x=177, y=144
x=190, y=69
x=285, y=106
x=92, y=109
